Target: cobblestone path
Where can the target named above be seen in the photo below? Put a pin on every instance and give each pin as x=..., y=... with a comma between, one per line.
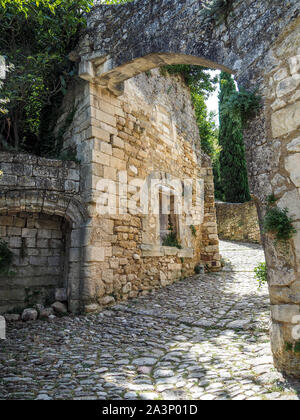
x=202, y=338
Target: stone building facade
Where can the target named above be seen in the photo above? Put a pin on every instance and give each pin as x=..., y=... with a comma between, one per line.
x=259, y=42
x=139, y=147
x=97, y=229
x=41, y=218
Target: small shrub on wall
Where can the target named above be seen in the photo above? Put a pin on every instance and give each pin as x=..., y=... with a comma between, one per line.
x=279, y=223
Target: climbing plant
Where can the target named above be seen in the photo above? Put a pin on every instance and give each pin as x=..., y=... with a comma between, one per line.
x=243, y=104
x=233, y=171
x=35, y=38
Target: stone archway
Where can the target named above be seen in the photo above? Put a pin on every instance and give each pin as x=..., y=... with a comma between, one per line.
x=50, y=226
x=259, y=42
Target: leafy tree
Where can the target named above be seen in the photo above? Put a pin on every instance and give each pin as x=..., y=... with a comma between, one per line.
x=35, y=38
x=233, y=171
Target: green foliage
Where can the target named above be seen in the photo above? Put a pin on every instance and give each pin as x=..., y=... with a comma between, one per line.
x=36, y=38
x=233, y=170
x=271, y=199
x=261, y=274
x=297, y=347
x=197, y=269
x=278, y=222
x=196, y=77
x=242, y=104
x=6, y=258
x=193, y=230
x=293, y=347
x=171, y=239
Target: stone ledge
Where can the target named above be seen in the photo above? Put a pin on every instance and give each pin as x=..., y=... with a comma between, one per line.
x=149, y=250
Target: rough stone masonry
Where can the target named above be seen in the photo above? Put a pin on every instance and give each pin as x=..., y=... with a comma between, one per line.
x=259, y=41
x=120, y=126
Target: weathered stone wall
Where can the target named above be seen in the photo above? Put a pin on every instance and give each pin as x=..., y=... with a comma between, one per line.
x=279, y=167
x=148, y=133
x=238, y=221
x=259, y=42
x=38, y=245
x=41, y=217
x=28, y=172
x=122, y=42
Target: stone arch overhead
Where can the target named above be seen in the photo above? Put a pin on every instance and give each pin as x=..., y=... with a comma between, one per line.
x=48, y=202
x=123, y=41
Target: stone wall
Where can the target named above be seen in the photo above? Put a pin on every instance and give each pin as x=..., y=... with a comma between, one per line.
x=121, y=42
x=41, y=214
x=238, y=221
x=28, y=172
x=147, y=134
x=259, y=42
x=38, y=245
x=281, y=152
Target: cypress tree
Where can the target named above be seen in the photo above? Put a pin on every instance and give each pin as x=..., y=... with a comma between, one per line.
x=233, y=170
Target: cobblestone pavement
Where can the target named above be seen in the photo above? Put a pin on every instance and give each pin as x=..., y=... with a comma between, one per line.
x=206, y=339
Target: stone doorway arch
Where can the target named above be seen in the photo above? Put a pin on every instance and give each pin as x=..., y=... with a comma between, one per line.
x=61, y=221
x=259, y=42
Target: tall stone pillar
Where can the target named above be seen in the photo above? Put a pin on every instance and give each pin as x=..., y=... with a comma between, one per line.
x=273, y=154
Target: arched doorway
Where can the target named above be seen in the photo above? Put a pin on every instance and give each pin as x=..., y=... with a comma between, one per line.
x=42, y=230
x=265, y=55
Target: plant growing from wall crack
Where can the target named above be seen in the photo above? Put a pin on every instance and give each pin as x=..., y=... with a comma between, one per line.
x=278, y=223
x=171, y=238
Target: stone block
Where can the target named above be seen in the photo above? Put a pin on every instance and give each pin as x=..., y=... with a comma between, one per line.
x=288, y=85
x=294, y=63
x=285, y=313
x=292, y=164
x=92, y=308
x=29, y=315
x=61, y=295
x=108, y=276
x=29, y=233
x=286, y=120
x=94, y=254
x=59, y=308
x=294, y=145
